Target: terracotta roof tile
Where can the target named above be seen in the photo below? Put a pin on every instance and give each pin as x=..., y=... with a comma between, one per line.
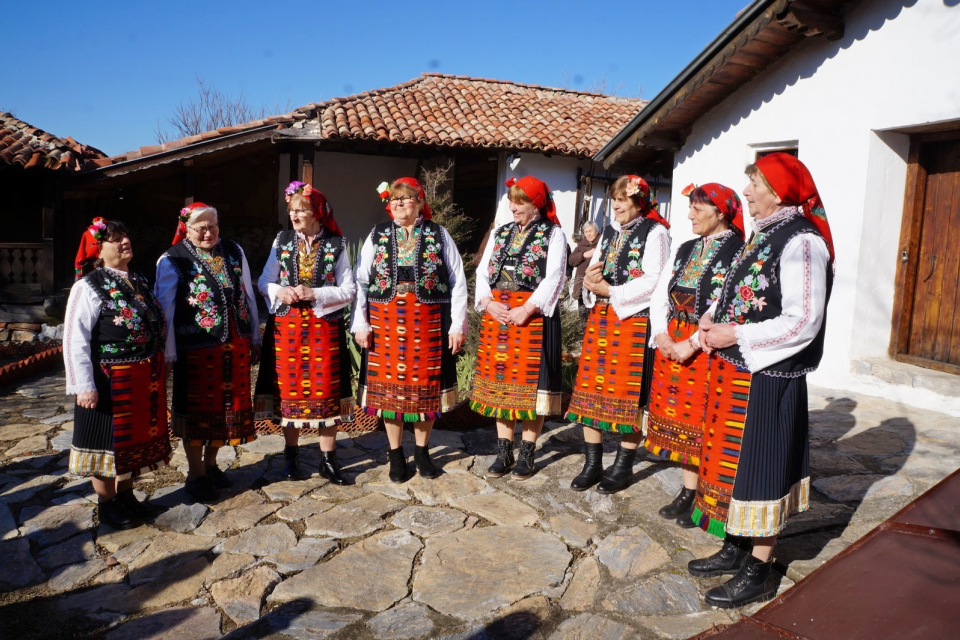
x=26, y=146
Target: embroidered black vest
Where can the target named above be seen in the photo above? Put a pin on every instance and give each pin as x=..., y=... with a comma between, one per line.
x=626, y=264
x=431, y=278
x=129, y=329
x=327, y=248
x=717, y=263
x=752, y=294
x=530, y=260
x=202, y=317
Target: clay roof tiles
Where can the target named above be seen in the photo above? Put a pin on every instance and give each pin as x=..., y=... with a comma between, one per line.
x=26, y=146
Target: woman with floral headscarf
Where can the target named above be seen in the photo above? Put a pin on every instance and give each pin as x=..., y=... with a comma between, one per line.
x=410, y=319
x=307, y=282
x=678, y=389
x=766, y=331
x=213, y=335
x=519, y=281
x=614, y=375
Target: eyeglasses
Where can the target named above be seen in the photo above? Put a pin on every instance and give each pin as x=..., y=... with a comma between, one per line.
x=401, y=200
x=205, y=230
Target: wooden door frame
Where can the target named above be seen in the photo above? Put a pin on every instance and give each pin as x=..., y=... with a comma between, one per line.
x=914, y=199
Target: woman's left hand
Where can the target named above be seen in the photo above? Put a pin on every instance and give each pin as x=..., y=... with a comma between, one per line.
x=305, y=293
x=682, y=351
x=456, y=342
x=594, y=282
x=721, y=336
x=254, y=353
x=518, y=316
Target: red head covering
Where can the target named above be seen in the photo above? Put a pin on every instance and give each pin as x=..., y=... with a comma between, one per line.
x=539, y=194
x=793, y=184
x=648, y=204
x=322, y=210
x=414, y=184
x=185, y=214
x=726, y=200
x=89, y=249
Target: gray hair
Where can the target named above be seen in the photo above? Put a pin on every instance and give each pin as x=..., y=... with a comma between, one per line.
x=590, y=223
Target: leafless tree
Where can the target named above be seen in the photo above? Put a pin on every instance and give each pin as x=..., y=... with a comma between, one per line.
x=212, y=109
x=599, y=85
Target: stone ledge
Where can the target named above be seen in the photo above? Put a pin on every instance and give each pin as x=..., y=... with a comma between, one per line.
x=908, y=375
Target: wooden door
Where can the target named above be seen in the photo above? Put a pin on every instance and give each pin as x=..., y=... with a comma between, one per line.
x=929, y=323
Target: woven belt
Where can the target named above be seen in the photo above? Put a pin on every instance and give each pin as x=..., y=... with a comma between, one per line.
x=507, y=286
x=685, y=316
x=406, y=287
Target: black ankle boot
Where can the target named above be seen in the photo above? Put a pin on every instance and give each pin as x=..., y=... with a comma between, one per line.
x=112, y=513
x=729, y=560
x=398, y=465
x=421, y=456
x=504, y=462
x=618, y=476
x=524, y=468
x=682, y=504
x=592, y=467
x=751, y=584
x=685, y=521
x=330, y=468
x=136, y=508
x=291, y=462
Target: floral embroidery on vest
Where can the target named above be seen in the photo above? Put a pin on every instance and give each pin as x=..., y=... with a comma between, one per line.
x=129, y=316
x=329, y=253
x=746, y=290
x=431, y=261
x=381, y=265
x=284, y=259
x=499, y=243
x=207, y=316
x=527, y=268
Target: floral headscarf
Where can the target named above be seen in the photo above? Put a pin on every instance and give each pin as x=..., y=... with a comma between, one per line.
x=322, y=210
x=413, y=183
x=184, y=216
x=89, y=249
x=648, y=204
x=539, y=194
x=726, y=200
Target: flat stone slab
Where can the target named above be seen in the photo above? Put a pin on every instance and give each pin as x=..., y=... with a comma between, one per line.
x=47, y=525
x=665, y=594
x=506, y=564
x=262, y=540
x=220, y=522
x=182, y=518
x=573, y=531
x=62, y=441
x=265, y=445
x=682, y=627
x=630, y=553
x=21, y=492
x=8, y=524
x=77, y=549
x=352, y=519
x=288, y=490
x=303, y=509
x=592, y=627
x=409, y=620
x=58, y=419
x=178, y=623
x=28, y=446
x=181, y=583
x=241, y=598
x=12, y=432
x=113, y=540
x=309, y=625
x=447, y=488
x=863, y=487
x=875, y=442
x=167, y=552
x=429, y=521
x=584, y=587
x=171, y=496
x=68, y=577
x=499, y=508
x=41, y=412
x=19, y=568
x=91, y=600
x=308, y=552
x=391, y=553
x=243, y=499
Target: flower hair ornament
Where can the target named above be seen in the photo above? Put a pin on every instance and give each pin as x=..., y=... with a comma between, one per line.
x=184, y=217
x=322, y=210
x=89, y=249
x=687, y=190
x=383, y=189
x=97, y=229
x=725, y=200
x=638, y=187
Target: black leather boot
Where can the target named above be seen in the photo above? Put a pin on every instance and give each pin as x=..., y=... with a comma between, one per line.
x=291, y=462
x=682, y=504
x=592, y=467
x=685, y=521
x=330, y=468
x=504, y=462
x=525, y=467
x=139, y=509
x=618, y=476
x=112, y=513
x=421, y=456
x=751, y=584
x=398, y=465
x=729, y=560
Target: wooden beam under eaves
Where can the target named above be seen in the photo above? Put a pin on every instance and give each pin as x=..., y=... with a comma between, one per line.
x=810, y=20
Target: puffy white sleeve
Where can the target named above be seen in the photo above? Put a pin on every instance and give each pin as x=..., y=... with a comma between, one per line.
x=660, y=300
x=547, y=293
x=633, y=297
x=83, y=310
x=269, y=281
x=482, y=288
x=589, y=297
x=165, y=289
x=249, y=291
x=360, y=315
x=330, y=299
x=458, y=285
x=803, y=283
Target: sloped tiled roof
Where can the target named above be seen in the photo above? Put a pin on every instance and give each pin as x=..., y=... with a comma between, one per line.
x=27, y=147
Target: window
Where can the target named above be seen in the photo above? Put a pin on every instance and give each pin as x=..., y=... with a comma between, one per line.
x=757, y=151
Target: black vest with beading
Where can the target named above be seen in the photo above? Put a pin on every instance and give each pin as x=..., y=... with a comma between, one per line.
x=327, y=249
x=627, y=263
x=131, y=327
x=710, y=283
x=529, y=260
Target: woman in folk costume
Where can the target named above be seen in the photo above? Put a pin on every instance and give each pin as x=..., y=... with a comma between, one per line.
x=307, y=282
x=766, y=331
x=678, y=389
x=613, y=379
x=410, y=319
x=519, y=281
x=213, y=334
x=113, y=351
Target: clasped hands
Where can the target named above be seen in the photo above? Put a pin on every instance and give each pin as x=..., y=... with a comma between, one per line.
x=711, y=337
x=504, y=314
x=594, y=282
x=293, y=295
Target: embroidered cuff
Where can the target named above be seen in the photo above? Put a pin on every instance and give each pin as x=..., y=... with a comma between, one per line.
x=360, y=326
x=746, y=349
x=73, y=390
x=695, y=340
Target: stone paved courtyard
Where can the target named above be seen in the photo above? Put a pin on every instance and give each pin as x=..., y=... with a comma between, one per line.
x=460, y=556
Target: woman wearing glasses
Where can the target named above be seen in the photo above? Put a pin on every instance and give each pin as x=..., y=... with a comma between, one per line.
x=307, y=282
x=410, y=319
x=203, y=284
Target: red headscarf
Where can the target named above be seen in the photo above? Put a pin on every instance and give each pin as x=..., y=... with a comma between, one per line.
x=648, y=204
x=89, y=249
x=793, y=184
x=322, y=210
x=539, y=194
x=185, y=214
x=726, y=200
x=414, y=184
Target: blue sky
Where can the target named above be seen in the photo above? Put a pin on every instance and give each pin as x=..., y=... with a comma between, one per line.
x=106, y=72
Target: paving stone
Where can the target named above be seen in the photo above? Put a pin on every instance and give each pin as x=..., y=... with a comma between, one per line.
x=77, y=549
x=357, y=518
x=243, y=499
x=27, y=446
x=182, y=518
x=875, y=442
x=241, y=598
x=19, y=568
x=407, y=620
x=630, y=552
x=170, y=496
x=584, y=587
x=665, y=594
x=373, y=441
x=179, y=583
x=591, y=627
x=309, y=625
x=447, y=487
x=262, y=540
x=506, y=564
x=522, y=620
x=173, y=624
x=303, y=508
x=91, y=600
x=229, y=565
x=389, y=489
x=392, y=553
x=264, y=445
x=8, y=525
x=308, y=552
x=113, y=540
x=89, y=499
x=682, y=627
x=499, y=508
x=23, y=491
x=226, y=455
x=220, y=522
x=58, y=419
x=429, y=521
x=863, y=487
x=289, y=490
x=167, y=551
x=338, y=493
x=833, y=463
x=70, y=576
x=47, y=525
x=41, y=411
x=573, y=531
x=130, y=552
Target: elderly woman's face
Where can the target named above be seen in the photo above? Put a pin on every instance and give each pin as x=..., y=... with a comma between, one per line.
x=706, y=219
x=624, y=210
x=523, y=212
x=405, y=208
x=117, y=253
x=590, y=233
x=204, y=231
x=761, y=201
x=303, y=221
